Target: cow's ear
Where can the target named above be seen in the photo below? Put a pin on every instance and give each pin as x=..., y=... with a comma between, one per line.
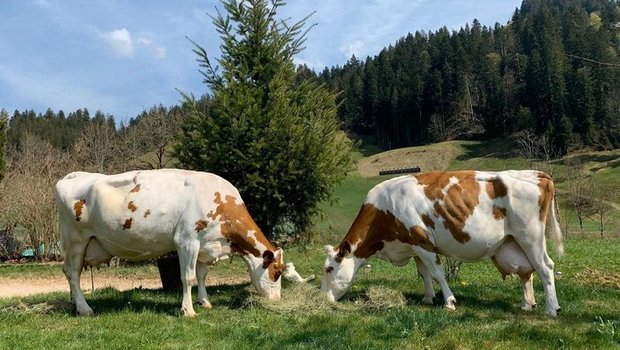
x=344, y=249
x=329, y=249
x=268, y=258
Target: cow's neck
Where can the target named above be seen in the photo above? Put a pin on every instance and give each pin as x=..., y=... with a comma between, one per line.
x=373, y=227
x=362, y=236
x=238, y=227
x=246, y=238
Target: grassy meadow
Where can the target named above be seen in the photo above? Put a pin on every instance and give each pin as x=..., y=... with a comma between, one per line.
x=383, y=310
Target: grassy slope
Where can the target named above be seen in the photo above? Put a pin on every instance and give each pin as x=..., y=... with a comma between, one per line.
x=488, y=314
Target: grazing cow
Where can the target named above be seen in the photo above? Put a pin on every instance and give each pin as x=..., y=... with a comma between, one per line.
x=144, y=214
x=467, y=215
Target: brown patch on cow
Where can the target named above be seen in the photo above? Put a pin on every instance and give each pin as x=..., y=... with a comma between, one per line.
x=236, y=222
x=131, y=206
x=77, y=207
x=434, y=183
x=147, y=213
x=459, y=199
x=373, y=227
x=135, y=189
x=428, y=221
x=496, y=188
x=127, y=224
x=547, y=192
x=499, y=213
x=274, y=265
x=201, y=225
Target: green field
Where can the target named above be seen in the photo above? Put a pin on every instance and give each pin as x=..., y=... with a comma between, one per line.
x=488, y=314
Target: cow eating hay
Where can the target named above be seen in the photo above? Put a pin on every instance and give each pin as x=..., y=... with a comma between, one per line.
x=467, y=215
x=145, y=214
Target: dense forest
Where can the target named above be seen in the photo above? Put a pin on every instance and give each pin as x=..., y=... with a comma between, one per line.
x=554, y=69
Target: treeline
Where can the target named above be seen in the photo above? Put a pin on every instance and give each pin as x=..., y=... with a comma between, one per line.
x=553, y=69
x=59, y=129
x=97, y=141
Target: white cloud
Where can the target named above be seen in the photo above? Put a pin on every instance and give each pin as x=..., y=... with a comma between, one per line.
x=158, y=52
x=144, y=41
x=119, y=41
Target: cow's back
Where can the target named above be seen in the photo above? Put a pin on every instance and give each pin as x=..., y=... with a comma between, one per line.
x=139, y=214
x=466, y=214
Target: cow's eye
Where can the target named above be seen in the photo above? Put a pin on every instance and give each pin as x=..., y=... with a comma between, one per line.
x=329, y=269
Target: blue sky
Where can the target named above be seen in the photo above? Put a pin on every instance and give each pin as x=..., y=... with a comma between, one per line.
x=122, y=56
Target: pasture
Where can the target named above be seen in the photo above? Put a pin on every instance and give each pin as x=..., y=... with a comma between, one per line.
x=382, y=311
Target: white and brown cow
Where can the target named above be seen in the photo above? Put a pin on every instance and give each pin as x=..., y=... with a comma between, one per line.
x=144, y=214
x=468, y=215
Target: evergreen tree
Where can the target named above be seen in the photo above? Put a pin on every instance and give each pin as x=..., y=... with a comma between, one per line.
x=276, y=140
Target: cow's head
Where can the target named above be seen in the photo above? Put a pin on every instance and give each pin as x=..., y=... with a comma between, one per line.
x=340, y=268
x=265, y=272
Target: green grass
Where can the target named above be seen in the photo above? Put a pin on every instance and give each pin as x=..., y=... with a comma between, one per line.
x=488, y=314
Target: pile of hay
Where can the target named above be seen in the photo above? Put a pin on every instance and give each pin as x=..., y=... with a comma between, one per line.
x=23, y=308
x=381, y=298
x=307, y=298
x=300, y=297
x=606, y=279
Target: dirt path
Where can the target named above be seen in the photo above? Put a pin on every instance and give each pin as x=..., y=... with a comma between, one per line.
x=11, y=287
x=14, y=287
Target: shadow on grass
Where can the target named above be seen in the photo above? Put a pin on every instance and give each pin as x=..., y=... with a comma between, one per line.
x=603, y=160
x=366, y=144
x=498, y=148
x=110, y=300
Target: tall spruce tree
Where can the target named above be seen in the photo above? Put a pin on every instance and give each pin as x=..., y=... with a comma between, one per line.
x=278, y=141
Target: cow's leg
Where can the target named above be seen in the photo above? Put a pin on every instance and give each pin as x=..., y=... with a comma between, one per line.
x=201, y=275
x=542, y=263
x=72, y=267
x=429, y=291
x=188, y=255
x=528, y=302
x=432, y=262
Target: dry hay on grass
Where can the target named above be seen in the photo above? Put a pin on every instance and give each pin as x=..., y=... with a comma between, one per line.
x=590, y=277
x=381, y=298
x=428, y=158
x=32, y=309
x=308, y=299
x=301, y=297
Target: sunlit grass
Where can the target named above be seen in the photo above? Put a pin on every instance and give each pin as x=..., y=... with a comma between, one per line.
x=488, y=314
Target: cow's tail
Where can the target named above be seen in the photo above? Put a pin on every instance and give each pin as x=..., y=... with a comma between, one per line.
x=555, y=231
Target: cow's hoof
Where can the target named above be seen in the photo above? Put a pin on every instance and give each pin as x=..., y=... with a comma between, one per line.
x=188, y=313
x=528, y=307
x=427, y=300
x=87, y=311
x=553, y=313
x=450, y=303
x=206, y=304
